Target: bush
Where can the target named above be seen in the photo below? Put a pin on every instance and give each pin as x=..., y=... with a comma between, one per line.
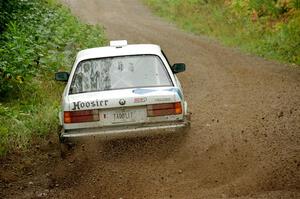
x=39, y=38
x=7, y=11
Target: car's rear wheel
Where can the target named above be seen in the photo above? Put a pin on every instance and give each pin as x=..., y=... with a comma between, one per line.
x=64, y=150
x=65, y=146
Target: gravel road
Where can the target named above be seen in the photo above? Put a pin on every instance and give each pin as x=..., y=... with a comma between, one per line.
x=245, y=136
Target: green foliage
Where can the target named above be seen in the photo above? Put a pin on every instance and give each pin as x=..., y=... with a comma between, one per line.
x=39, y=38
x=264, y=7
x=295, y=4
x=3, y=139
x=7, y=11
x=270, y=28
x=33, y=114
x=284, y=43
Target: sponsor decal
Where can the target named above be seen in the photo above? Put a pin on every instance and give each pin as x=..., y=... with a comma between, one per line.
x=164, y=99
x=92, y=104
x=142, y=91
x=140, y=100
x=122, y=102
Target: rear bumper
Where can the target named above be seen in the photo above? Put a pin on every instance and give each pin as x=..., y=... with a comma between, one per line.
x=124, y=131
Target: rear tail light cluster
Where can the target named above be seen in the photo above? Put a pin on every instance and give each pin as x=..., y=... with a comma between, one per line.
x=81, y=116
x=93, y=115
x=164, y=109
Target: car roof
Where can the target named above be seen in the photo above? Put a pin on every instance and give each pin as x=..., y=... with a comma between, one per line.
x=122, y=50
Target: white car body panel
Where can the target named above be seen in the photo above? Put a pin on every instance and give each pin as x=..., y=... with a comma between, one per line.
x=105, y=101
x=108, y=101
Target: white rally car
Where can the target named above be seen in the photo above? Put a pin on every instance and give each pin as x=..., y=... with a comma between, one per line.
x=122, y=90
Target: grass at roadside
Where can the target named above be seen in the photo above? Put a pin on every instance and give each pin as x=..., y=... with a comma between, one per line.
x=41, y=37
x=267, y=28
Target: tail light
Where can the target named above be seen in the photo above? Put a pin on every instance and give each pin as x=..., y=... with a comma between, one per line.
x=81, y=116
x=164, y=109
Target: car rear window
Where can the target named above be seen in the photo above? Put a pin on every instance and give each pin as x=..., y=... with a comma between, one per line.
x=118, y=73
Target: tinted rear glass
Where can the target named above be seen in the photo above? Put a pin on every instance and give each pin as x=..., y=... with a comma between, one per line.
x=118, y=73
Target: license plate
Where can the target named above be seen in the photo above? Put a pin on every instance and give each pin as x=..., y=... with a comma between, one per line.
x=124, y=116
x=119, y=116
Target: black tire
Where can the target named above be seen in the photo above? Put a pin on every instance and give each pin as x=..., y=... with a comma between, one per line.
x=64, y=150
x=63, y=145
x=66, y=147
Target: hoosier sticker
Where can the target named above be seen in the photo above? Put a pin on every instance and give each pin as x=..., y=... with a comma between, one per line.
x=81, y=105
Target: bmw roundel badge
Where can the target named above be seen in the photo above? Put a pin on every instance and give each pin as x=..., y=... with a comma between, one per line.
x=122, y=102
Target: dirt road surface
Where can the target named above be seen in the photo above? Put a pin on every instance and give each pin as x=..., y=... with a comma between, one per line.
x=244, y=141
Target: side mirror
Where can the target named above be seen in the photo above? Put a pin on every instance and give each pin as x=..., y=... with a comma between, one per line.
x=62, y=76
x=177, y=68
